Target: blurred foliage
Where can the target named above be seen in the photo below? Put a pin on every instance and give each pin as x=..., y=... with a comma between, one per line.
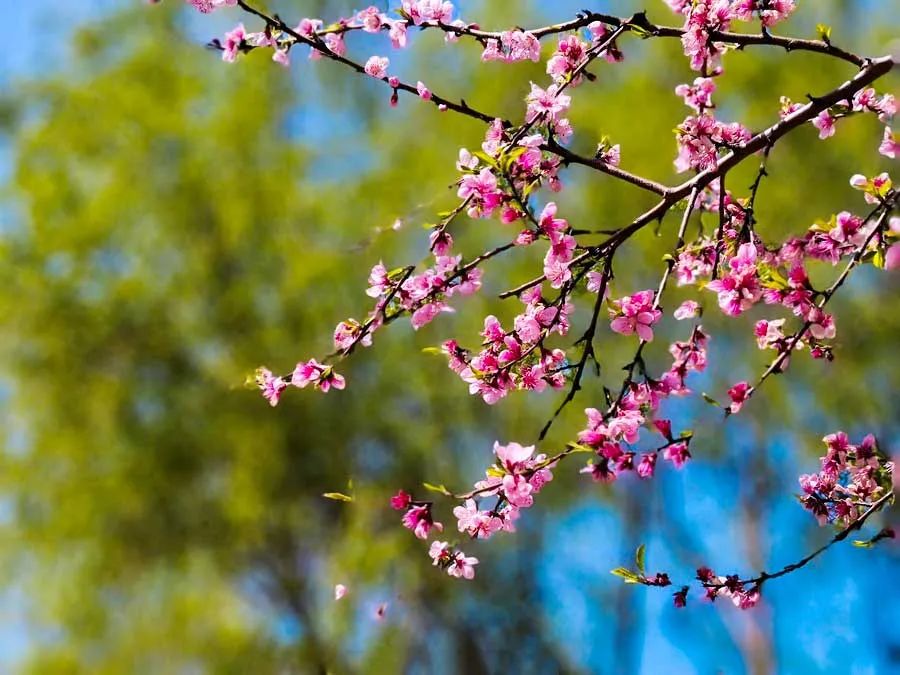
x=177, y=222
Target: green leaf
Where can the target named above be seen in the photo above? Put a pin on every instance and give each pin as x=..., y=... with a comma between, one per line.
x=687, y=433
x=878, y=259
x=824, y=31
x=434, y=351
x=626, y=574
x=639, y=558
x=863, y=543
x=440, y=489
x=494, y=471
x=709, y=399
x=337, y=496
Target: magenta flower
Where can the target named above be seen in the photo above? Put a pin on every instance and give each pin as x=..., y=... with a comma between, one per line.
x=635, y=314
x=418, y=519
x=740, y=289
x=647, y=465
x=270, y=385
x=232, y=43
x=400, y=501
x=738, y=396
x=677, y=453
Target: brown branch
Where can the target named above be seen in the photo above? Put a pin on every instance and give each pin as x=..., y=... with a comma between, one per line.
x=840, y=536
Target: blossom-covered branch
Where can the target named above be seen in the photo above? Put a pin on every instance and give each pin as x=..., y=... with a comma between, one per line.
x=506, y=179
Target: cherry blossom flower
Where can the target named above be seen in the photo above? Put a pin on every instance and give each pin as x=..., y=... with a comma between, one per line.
x=738, y=396
x=890, y=144
x=377, y=66
x=271, y=386
x=339, y=591
x=635, y=314
x=418, y=519
x=687, y=310
x=232, y=43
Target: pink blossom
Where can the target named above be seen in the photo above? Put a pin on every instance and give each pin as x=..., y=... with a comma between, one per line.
x=892, y=257
x=769, y=333
x=232, y=42
x=474, y=522
x=635, y=314
x=513, y=455
x=271, y=386
x=282, y=57
x=339, y=591
x=699, y=95
x=400, y=501
x=481, y=191
x=439, y=552
x=308, y=27
x=346, y=335
x=426, y=313
x=740, y=288
x=421, y=11
x=824, y=122
x=462, y=566
x=207, y=6
x=677, y=453
x=513, y=46
x=335, y=43
x=418, y=519
x=890, y=144
x=547, y=102
x=377, y=66
x=424, y=92
x=738, y=396
x=647, y=465
x=687, y=310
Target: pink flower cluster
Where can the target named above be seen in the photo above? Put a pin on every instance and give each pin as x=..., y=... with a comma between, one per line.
x=457, y=563
x=513, y=46
x=484, y=192
x=515, y=359
x=207, y=6
x=568, y=57
x=704, y=17
x=320, y=376
x=421, y=11
x=852, y=477
x=702, y=137
x=422, y=295
x=515, y=478
x=635, y=314
x=865, y=100
x=609, y=435
x=739, y=288
x=729, y=586
x=417, y=515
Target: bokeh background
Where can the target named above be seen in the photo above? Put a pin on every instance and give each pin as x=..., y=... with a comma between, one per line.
x=168, y=223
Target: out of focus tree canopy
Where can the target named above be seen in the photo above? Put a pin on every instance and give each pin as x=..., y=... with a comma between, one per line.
x=172, y=223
